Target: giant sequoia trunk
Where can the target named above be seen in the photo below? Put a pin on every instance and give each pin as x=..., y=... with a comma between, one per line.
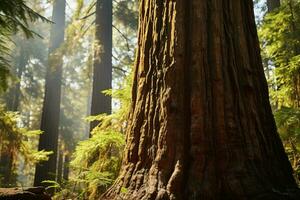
x=51, y=108
x=102, y=74
x=201, y=125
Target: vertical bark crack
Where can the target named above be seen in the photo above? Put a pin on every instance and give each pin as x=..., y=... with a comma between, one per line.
x=187, y=91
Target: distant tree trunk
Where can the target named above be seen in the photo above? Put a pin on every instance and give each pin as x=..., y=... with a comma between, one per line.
x=102, y=74
x=201, y=125
x=296, y=77
x=59, y=167
x=273, y=4
x=87, y=127
x=66, y=168
x=6, y=169
x=13, y=100
x=51, y=107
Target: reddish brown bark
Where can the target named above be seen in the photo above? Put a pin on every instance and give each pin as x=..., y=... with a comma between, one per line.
x=201, y=125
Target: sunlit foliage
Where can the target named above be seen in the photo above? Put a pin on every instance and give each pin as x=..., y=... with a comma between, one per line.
x=15, y=142
x=280, y=42
x=14, y=16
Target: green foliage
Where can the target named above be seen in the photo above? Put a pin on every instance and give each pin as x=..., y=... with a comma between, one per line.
x=98, y=159
x=280, y=42
x=288, y=122
x=280, y=38
x=17, y=141
x=125, y=14
x=14, y=15
x=52, y=184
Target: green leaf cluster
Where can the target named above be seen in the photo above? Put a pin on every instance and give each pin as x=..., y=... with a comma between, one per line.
x=17, y=141
x=98, y=159
x=14, y=16
x=279, y=34
x=280, y=43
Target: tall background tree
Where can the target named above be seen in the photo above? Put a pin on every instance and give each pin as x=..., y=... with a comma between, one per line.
x=102, y=71
x=201, y=125
x=51, y=108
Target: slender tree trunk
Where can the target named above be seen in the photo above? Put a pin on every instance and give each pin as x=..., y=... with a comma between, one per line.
x=6, y=168
x=66, y=168
x=13, y=100
x=51, y=108
x=102, y=74
x=201, y=125
x=59, y=167
x=87, y=127
x=273, y=4
x=294, y=29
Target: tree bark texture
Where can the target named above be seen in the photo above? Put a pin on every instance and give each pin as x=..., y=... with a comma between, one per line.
x=102, y=73
x=201, y=125
x=51, y=108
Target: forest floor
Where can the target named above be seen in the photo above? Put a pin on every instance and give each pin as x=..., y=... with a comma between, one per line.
x=34, y=193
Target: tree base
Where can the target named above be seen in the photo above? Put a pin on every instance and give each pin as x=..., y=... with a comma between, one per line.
x=114, y=193
x=290, y=195
x=34, y=193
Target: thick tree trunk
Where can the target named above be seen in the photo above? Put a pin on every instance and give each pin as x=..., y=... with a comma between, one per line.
x=102, y=74
x=201, y=125
x=51, y=107
x=273, y=4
